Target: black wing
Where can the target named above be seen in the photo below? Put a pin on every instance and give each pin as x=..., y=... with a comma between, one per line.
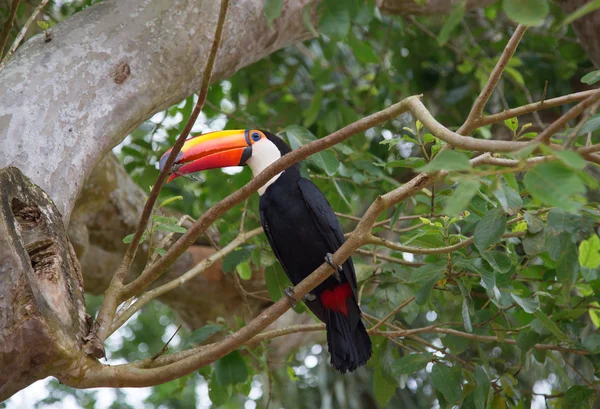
x=315, y=306
x=265, y=225
x=328, y=224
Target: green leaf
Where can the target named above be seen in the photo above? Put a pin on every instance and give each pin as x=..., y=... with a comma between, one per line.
x=410, y=364
x=406, y=163
x=530, y=305
x=456, y=16
x=272, y=10
x=582, y=11
x=482, y=389
x=592, y=343
x=311, y=114
x=509, y=199
x=466, y=315
x=534, y=244
x=231, y=369
x=526, y=339
x=133, y=152
x=571, y=159
x=236, y=257
x=218, y=395
x=127, y=239
x=335, y=21
x=512, y=124
x=550, y=325
x=589, y=252
x=43, y=25
x=384, y=387
x=362, y=50
x=591, y=125
x=203, y=333
x=170, y=200
x=165, y=220
x=244, y=270
x=477, y=266
x=447, y=160
x=534, y=223
x=448, y=382
x=461, y=197
x=489, y=229
x=498, y=260
x=579, y=397
x=172, y=228
x=276, y=281
x=161, y=252
x=325, y=160
x=591, y=77
x=427, y=272
x=555, y=185
x=527, y=12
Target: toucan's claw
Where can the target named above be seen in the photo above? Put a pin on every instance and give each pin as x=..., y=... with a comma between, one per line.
x=309, y=297
x=289, y=292
x=336, y=273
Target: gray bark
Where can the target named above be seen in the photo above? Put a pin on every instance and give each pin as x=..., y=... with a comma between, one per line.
x=67, y=102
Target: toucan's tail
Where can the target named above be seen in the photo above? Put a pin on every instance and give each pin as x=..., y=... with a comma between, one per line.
x=347, y=339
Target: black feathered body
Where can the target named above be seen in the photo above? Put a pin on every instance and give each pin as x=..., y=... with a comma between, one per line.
x=302, y=228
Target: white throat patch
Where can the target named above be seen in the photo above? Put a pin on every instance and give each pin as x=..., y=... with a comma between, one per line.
x=264, y=152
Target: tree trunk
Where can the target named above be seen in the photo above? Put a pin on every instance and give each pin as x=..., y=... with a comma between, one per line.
x=108, y=68
x=42, y=310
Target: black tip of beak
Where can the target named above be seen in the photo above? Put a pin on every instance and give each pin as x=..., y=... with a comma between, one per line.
x=163, y=160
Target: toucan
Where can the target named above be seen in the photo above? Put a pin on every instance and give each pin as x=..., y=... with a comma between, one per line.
x=300, y=226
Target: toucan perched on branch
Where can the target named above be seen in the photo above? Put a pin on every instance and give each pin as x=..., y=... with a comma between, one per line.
x=301, y=228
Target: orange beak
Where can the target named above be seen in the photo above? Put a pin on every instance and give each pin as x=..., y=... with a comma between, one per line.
x=209, y=151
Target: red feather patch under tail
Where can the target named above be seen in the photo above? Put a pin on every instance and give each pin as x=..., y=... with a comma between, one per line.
x=335, y=299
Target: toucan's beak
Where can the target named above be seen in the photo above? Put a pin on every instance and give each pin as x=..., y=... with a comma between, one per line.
x=209, y=151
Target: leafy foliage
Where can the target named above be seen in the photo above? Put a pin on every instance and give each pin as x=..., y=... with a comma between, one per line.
x=523, y=264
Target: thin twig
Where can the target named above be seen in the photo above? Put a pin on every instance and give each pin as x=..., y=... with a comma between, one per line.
x=21, y=34
x=556, y=126
x=8, y=25
x=166, y=347
x=529, y=108
x=486, y=92
x=392, y=313
x=188, y=275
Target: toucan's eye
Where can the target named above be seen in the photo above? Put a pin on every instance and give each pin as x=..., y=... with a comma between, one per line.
x=255, y=136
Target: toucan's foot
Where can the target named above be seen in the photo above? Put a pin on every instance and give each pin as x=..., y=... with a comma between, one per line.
x=309, y=297
x=289, y=292
x=336, y=273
